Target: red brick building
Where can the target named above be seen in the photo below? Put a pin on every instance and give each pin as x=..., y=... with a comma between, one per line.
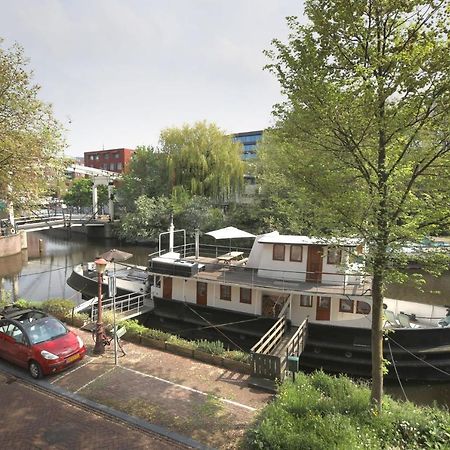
x=114, y=160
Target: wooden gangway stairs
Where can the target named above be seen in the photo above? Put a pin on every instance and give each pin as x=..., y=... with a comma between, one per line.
x=271, y=352
x=126, y=306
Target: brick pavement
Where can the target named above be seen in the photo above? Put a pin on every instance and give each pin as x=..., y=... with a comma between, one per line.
x=33, y=419
x=195, y=401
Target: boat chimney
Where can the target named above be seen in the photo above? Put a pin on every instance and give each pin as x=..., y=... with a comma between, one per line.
x=197, y=243
x=171, y=234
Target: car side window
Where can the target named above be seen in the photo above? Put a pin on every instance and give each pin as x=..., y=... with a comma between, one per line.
x=7, y=328
x=17, y=334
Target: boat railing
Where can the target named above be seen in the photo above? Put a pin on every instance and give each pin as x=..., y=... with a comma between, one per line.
x=272, y=338
x=132, y=303
x=206, y=250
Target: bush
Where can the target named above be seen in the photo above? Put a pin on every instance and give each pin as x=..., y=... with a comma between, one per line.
x=26, y=304
x=237, y=355
x=319, y=411
x=212, y=347
x=58, y=307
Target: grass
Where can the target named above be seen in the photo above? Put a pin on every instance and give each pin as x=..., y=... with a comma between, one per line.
x=319, y=411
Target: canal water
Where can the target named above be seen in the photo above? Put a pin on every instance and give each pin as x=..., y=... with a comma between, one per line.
x=41, y=274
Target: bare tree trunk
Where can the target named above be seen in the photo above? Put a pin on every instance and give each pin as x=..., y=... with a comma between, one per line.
x=377, y=341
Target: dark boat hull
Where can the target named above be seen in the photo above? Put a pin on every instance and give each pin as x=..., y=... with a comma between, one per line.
x=419, y=354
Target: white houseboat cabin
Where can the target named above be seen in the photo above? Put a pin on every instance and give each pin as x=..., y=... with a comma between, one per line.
x=298, y=276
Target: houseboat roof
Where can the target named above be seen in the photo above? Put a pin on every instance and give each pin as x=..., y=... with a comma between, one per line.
x=275, y=238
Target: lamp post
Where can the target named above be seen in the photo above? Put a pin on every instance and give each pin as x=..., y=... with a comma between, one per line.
x=99, y=348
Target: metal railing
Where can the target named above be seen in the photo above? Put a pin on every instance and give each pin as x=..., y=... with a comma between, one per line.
x=127, y=304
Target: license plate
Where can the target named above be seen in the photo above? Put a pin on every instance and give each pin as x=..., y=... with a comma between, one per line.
x=72, y=358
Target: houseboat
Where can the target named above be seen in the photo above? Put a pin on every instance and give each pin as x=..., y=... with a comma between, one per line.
x=298, y=297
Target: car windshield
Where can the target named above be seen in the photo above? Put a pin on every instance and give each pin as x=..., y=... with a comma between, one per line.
x=44, y=330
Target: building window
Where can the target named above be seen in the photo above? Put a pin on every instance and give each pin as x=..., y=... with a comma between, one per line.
x=106, y=156
x=334, y=256
x=346, y=305
x=97, y=157
x=362, y=307
x=225, y=292
x=306, y=300
x=91, y=157
x=116, y=155
x=246, y=296
x=119, y=166
x=112, y=166
x=296, y=253
x=278, y=252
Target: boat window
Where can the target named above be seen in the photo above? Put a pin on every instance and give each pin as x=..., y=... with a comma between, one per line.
x=362, y=307
x=296, y=253
x=225, y=292
x=278, y=252
x=306, y=300
x=334, y=256
x=346, y=305
x=246, y=295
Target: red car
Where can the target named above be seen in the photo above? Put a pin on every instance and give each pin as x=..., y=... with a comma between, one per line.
x=35, y=340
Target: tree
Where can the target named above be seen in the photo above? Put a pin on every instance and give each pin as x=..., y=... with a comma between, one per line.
x=202, y=160
x=30, y=138
x=150, y=217
x=364, y=131
x=79, y=193
x=147, y=174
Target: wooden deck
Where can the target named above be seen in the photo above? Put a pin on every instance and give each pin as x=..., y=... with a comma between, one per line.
x=234, y=273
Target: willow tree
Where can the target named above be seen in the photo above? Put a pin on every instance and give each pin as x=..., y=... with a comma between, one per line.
x=203, y=161
x=363, y=135
x=30, y=138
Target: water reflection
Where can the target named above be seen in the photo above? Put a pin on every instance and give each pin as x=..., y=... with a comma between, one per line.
x=40, y=274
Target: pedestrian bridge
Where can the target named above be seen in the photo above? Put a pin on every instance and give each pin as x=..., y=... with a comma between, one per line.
x=38, y=222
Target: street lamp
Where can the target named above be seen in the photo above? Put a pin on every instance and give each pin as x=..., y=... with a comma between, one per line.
x=99, y=348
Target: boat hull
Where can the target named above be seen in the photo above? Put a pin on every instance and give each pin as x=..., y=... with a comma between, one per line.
x=419, y=354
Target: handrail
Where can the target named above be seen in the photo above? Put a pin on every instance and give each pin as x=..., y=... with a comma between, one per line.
x=276, y=332
x=286, y=306
x=299, y=336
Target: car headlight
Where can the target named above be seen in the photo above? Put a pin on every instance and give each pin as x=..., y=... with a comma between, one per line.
x=80, y=341
x=47, y=355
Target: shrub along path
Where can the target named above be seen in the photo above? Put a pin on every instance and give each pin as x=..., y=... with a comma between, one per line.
x=211, y=404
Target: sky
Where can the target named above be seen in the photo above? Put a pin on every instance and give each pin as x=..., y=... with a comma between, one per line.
x=117, y=72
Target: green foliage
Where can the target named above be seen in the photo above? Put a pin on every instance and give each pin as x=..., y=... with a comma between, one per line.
x=31, y=145
x=58, y=307
x=212, y=347
x=323, y=412
x=26, y=304
x=147, y=174
x=150, y=217
x=237, y=355
x=202, y=160
x=196, y=212
x=361, y=144
x=80, y=193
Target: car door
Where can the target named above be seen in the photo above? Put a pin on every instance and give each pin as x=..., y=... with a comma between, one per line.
x=14, y=343
x=6, y=339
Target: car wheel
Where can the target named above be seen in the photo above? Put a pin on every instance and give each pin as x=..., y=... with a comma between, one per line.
x=35, y=370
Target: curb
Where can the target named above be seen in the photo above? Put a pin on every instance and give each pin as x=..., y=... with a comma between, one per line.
x=111, y=413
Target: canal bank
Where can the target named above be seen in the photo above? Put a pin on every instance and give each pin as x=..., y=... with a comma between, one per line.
x=38, y=276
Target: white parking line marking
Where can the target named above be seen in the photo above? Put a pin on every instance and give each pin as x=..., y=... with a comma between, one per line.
x=187, y=388
x=92, y=381
x=64, y=374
